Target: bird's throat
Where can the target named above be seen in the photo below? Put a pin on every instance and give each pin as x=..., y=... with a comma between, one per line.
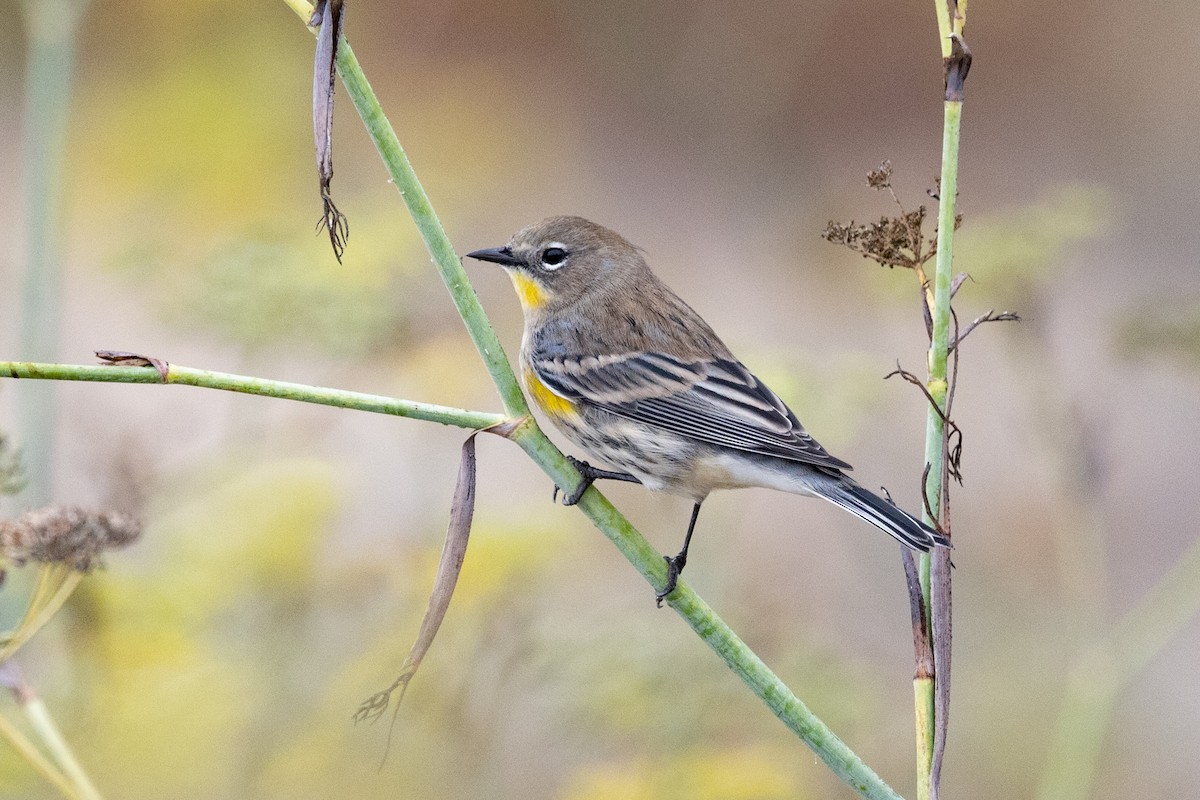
x=531, y=294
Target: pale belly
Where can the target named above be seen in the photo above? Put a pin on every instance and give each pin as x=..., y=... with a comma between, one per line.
x=667, y=462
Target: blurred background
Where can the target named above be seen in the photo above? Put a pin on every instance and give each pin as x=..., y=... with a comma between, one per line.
x=290, y=549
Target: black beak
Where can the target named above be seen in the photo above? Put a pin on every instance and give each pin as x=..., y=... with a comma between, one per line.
x=497, y=255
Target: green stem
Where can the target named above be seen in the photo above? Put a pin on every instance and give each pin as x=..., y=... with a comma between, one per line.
x=940, y=347
x=56, y=582
x=27, y=750
x=41, y=721
x=779, y=698
x=923, y=715
x=935, y=429
x=259, y=386
x=51, y=28
x=935, y=432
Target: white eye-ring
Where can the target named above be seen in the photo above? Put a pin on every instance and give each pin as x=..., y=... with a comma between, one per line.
x=554, y=256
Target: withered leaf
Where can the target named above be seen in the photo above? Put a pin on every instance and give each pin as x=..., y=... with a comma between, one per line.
x=940, y=603
x=330, y=15
x=453, y=551
x=120, y=358
x=922, y=649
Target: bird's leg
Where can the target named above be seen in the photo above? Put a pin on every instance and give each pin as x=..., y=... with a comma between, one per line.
x=590, y=475
x=676, y=564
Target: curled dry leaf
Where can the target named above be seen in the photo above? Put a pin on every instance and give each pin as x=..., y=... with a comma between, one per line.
x=449, y=566
x=120, y=358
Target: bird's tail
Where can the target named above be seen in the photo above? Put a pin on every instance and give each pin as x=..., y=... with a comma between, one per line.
x=887, y=516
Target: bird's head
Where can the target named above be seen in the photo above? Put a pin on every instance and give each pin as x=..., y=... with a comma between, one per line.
x=562, y=260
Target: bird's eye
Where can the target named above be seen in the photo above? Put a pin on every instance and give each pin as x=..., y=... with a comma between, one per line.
x=553, y=257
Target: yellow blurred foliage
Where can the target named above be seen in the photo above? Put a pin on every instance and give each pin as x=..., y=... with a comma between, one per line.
x=1008, y=253
x=731, y=774
x=174, y=691
x=199, y=137
x=498, y=556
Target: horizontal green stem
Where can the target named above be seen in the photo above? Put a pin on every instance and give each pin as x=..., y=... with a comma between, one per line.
x=260, y=386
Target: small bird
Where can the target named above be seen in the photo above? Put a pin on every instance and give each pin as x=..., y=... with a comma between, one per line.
x=632, y=375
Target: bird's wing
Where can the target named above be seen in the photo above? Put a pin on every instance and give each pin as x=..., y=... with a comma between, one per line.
x=717, y=401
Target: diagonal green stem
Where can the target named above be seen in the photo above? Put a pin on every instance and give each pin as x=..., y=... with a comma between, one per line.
x=29, y=751
x=55, y=584
x=41, y=721
x=736, y=654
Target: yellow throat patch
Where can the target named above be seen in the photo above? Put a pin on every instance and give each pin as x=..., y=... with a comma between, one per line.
x=531, y=294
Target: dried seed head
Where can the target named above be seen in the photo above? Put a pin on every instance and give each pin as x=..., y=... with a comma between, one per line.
x=881, y=178
x=67, y=535
x=893, y=241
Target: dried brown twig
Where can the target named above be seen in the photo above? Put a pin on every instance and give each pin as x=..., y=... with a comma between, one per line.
x=953, y=437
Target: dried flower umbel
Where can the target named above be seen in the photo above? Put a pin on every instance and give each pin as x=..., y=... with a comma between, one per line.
x=893, y=241
x=66, y=535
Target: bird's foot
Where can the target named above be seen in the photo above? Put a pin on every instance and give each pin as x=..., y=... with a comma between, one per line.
x=675, y=565
x=590, y=475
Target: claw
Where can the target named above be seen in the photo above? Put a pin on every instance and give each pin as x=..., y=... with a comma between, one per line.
x=673, y=570
x=571, y=498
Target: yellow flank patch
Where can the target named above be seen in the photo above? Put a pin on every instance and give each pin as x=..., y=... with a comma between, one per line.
x=530, y=292
x=548, y=401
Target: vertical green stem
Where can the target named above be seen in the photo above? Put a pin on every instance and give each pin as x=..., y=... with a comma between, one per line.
x=939, y=348
x=935, y=426
x=923, y=716
x=50, y=28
